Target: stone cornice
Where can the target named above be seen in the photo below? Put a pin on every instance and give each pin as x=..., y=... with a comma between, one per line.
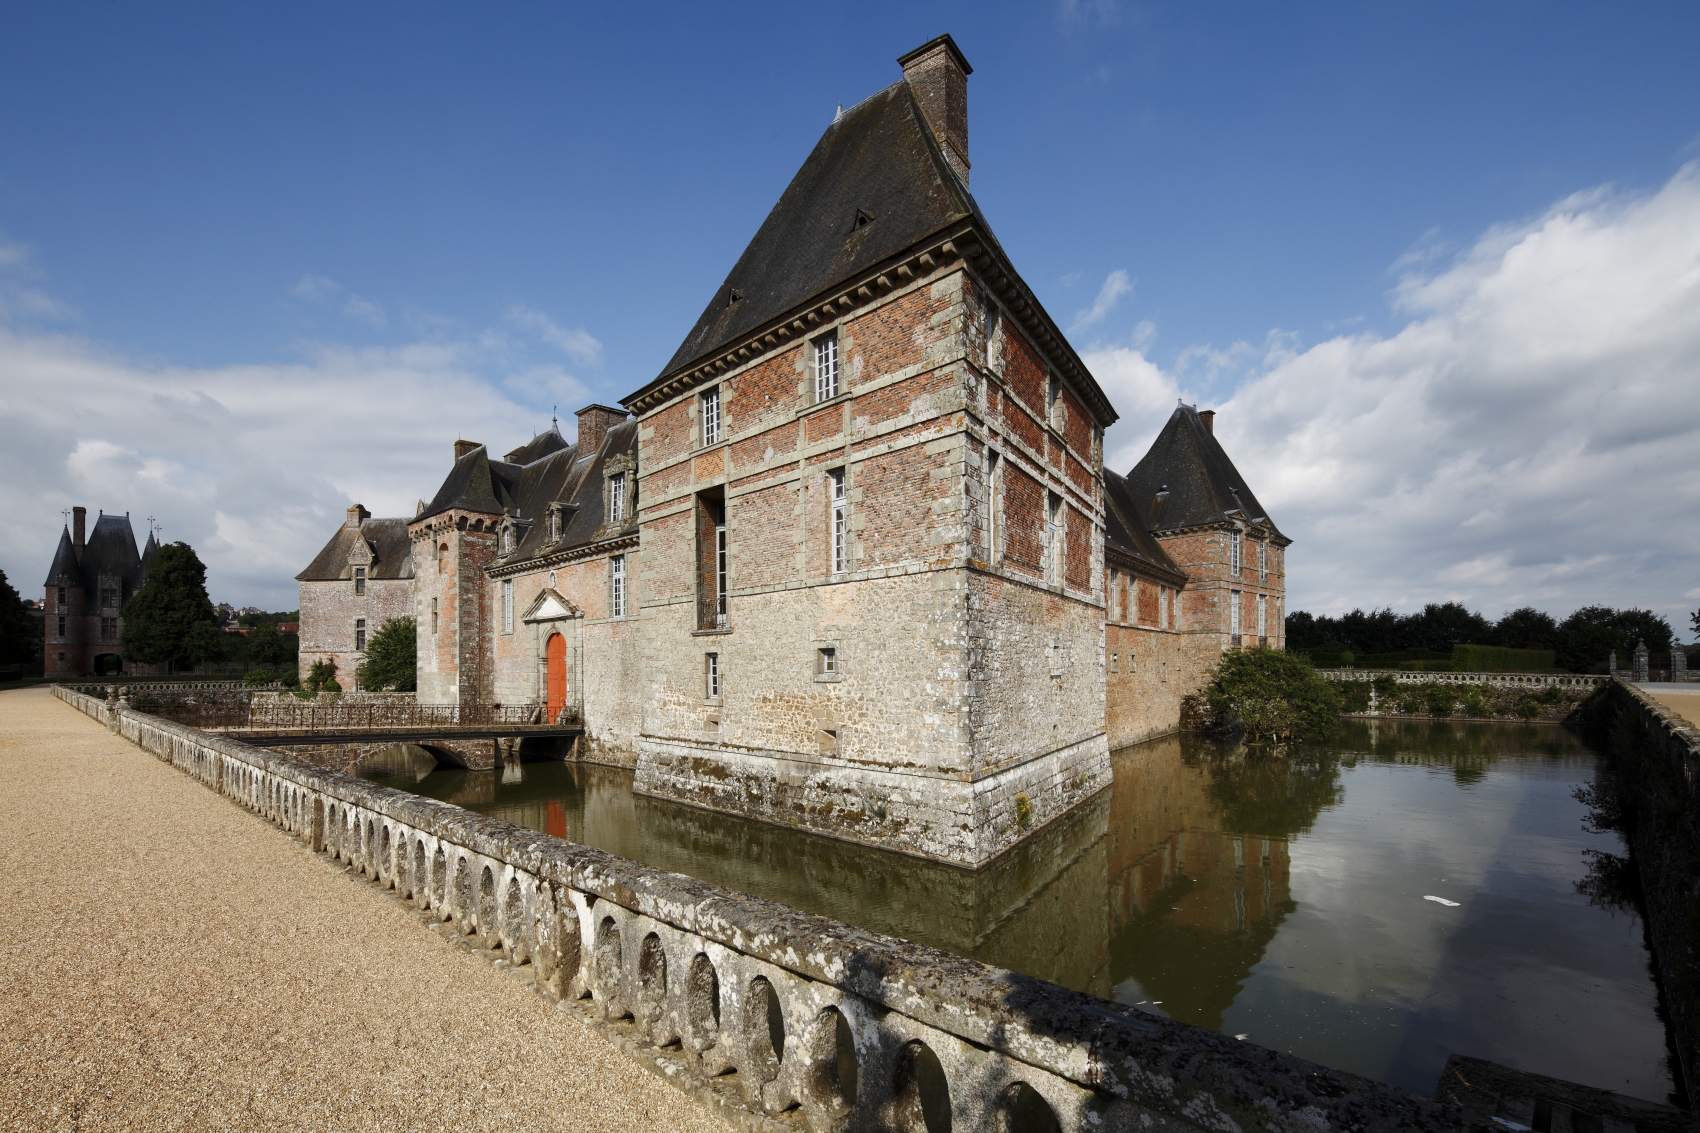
x=566, y=557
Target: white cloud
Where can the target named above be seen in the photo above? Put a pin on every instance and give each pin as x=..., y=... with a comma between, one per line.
x=21, y=300
x=575, y=342
x=316, y=287
x=1116, y=284
x=253, y=465
x=365, y=310
x=1528, y=437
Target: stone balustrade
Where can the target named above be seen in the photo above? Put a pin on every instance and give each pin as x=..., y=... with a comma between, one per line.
x=784, y=1019
x=1580, y=681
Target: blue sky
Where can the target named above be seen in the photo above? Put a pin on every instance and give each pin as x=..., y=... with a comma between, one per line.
x=435, y=220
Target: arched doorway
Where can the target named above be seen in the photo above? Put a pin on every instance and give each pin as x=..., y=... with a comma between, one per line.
x=557, y=676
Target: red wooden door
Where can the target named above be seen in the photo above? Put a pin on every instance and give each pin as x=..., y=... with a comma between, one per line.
x=557, y=677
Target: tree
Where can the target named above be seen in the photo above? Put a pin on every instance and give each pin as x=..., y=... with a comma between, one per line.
x=266, y=646
x=1273, y=696
x=391, y=660
x=160, y=621
x=1588, y=637
x=1527, y=628
x=17, y=643
x=1442, y=625
x=206, y=642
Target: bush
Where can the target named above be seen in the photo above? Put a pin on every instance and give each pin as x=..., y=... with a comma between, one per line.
x=258, y=677
x=1273, y=697
x=1498, y=659
x=391, y=658
x=321, y=675
x=330, y=685
x=290, y=679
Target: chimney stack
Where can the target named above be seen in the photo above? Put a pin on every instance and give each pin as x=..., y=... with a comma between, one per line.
x=357, y=515
x=594, y=421
x=938, y=74
x=79, y=517
x=1209, y=418
x=464, y=447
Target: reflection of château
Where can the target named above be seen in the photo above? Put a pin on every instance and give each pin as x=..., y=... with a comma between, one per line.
x=1177, y=879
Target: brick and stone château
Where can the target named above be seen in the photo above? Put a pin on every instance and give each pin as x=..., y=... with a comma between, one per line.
x=851, y=561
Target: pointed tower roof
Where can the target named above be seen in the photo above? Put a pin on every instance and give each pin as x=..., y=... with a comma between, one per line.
x=1186, y=480
x=538, y=447
x=475, y=483
x=64, y=571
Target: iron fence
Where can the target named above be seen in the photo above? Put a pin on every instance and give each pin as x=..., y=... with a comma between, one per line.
x=345, y=717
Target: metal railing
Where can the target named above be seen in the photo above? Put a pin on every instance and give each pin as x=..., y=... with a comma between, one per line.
x=346, y=717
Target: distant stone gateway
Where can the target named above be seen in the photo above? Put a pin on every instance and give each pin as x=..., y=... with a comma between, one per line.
x=851, y=562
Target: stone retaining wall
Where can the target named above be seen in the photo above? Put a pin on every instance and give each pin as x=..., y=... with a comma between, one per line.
x=1584, y=682
x=783, y=1019
x=1656, y=756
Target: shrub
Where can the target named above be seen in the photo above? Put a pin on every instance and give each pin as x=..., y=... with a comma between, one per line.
x=330, y=685
x=1442, y=700
x=1273, y=696
x=290, y=678
x=391, y=660
x=258, y=677
x=321, y=675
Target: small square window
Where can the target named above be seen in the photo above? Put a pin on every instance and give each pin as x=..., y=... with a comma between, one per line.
x=826, y=661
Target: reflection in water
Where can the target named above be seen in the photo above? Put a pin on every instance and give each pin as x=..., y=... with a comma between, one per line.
x=1279, y=894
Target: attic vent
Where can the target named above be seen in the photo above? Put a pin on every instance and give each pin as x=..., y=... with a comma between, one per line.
x=733, y=296
x=864, y=218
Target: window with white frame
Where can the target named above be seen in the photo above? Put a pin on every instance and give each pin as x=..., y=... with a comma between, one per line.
x=1262, y=560
x=617, y=586
x=720, y=610
x=360, y=635
x=1261, y=600
x=826, y=661
x=1234, y=554
x=992, y=501
x=617, y=498
x=711, y=416
x=711, y=675
x=1234, y=615
x=507, y=605
x=840, y=523
x=826, y=366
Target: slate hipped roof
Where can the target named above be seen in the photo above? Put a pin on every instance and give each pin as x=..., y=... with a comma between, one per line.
x=1127, y=535
x=875, y=187
x=556, y=473
x=110, y=550
x=392, y=552
x=1185, y=480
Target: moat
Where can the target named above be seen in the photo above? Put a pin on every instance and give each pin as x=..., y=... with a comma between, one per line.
x=1284, y=898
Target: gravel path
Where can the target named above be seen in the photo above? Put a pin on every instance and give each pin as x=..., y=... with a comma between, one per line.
x=174, y=962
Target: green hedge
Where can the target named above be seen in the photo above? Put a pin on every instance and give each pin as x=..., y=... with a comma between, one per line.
x=1497, y=659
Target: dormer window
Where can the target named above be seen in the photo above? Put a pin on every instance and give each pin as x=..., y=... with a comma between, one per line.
x=617, y=498
x=554, y=525
x=508, y=539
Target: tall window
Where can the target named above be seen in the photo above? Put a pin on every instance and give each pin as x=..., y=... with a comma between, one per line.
x=1234, y=554
x=360, y=635
x=711, y=416
x=840, y=523
x=442, y=551
x=109, y=599
x=554, y=524
x=711, y=675
x=617, y=498
x=507, y=605
x=433, y=615
x=61, y=633
x=1262, y=561
x=1054, y=538
x=1234, y=617
x=1261, y=599
x=826, y=366
x=360, y=580
x=617, y=586
x=991, y=506
x=62, y=597
x=720, y=573
x=109, y=629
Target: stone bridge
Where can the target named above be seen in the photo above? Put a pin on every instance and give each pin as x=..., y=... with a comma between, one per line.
x=783, y=1019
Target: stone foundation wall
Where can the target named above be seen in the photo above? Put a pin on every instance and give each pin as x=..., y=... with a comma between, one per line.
x=759, y=1009
x=1656, y=764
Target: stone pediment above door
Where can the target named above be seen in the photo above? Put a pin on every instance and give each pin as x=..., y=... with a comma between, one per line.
x=551, y=606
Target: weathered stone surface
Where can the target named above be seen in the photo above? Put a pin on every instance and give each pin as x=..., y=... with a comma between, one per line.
x=680, y=961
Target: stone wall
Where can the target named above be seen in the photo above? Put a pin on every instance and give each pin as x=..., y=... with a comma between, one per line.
x=329, y=611
x=758, y=1009
x=1656, y=765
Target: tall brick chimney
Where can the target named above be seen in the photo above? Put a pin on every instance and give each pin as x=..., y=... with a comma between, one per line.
x=938, y=75
x=357, y=515
x=594, y=421
x=1209, y=418
x=79, y=517
x=464, y=447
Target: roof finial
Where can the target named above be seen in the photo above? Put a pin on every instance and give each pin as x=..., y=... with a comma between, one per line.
x=554, y=421
x=839, y=117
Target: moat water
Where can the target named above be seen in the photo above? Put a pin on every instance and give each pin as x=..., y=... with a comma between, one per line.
x=1286, y=898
